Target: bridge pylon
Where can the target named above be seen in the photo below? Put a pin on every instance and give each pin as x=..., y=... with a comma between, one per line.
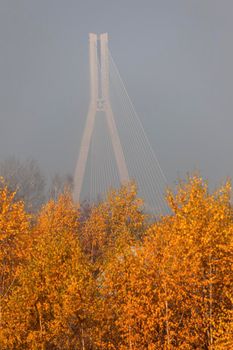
x=99, y=101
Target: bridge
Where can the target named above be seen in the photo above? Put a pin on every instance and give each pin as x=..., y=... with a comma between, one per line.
x=114, y=147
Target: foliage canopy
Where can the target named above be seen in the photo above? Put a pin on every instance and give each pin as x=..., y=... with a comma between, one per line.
x=113, y=279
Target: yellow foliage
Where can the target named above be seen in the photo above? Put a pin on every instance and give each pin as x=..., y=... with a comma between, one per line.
x=172, y=290
x=48, y=308
x=112, y=280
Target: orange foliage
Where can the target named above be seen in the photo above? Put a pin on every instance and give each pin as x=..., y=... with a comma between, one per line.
x=14, y=240
x=115, y=281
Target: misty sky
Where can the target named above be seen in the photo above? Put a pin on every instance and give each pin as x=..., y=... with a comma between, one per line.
x=175, y=56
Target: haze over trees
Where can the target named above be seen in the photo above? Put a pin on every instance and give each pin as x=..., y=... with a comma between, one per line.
x=112, y=278
x=26, y=179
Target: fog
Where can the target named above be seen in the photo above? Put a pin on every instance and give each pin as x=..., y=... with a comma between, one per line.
x=176, y=61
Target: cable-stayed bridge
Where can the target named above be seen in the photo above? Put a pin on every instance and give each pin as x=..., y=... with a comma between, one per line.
x=114, y=148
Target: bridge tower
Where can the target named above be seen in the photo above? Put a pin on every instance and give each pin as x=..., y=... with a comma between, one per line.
x=99, y=101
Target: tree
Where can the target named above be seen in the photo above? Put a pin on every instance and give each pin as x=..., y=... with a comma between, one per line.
x=50, y=307
x=26, y=180
x=173, y=291
x=203, y=228
x=59, y=185
x=122, y=209
x=113, y=280
x=14, y=245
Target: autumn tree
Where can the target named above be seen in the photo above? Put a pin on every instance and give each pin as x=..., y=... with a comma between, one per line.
x=110, y=226
x=121, y=210
x=203, y=230
x=50, y=307
x=111, y=279
x=14, y=245
x=14, y=236
x=174, y=290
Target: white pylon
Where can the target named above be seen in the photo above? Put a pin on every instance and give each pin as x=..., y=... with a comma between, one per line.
x=99, y=101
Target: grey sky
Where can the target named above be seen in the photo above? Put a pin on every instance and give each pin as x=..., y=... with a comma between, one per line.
x=175, y=57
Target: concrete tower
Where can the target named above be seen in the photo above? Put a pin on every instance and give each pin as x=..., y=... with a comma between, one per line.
x=99, y=101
